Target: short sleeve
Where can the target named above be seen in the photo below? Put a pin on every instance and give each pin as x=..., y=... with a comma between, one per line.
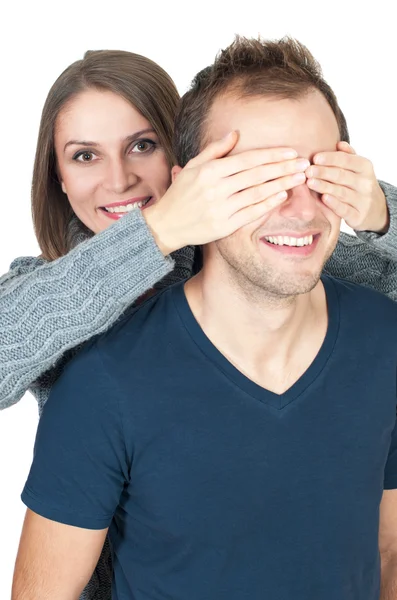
x=390, y=482
x=80, y=464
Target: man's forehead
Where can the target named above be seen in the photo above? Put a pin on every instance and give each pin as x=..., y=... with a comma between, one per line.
x=306, y=124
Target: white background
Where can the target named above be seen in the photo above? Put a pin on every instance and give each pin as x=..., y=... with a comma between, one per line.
x=355, y=43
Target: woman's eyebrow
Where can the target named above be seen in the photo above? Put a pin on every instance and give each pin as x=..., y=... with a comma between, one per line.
x=129, y=138
x=138, y=134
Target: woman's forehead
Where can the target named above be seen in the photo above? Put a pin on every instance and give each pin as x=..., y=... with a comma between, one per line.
x=99, y=115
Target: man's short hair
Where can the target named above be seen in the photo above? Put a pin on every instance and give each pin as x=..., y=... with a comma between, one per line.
x=283, y=69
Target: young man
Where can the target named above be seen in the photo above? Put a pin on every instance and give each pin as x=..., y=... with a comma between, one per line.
x=237, y=436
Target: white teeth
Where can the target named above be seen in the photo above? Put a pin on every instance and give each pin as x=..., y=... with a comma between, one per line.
x=128, y=207
x=121, y=209
x=284, y=240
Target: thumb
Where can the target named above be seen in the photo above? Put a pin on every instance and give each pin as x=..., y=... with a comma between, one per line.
x=216, y=149
x=345, y=147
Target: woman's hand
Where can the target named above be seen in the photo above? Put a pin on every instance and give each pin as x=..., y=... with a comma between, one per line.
x=349, y=187
x=214, y=195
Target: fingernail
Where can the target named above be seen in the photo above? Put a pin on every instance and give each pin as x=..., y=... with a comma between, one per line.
x=312, y=183
x=311, y=171
x=281, y=196
x=319, y=159
x=299, y=177
x=303, y=164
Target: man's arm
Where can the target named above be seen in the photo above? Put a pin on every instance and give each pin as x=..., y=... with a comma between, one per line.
x=388, y=545
x=55, y=561
x=78, y=473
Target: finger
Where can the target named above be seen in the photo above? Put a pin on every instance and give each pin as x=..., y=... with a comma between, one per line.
x=334, y=175
x=262, y=174
x=258, y=193
x=215, y=150
x=249, y=159
x=252, y=213
x=253, y=158
x=345, y=147
x=351, y=162
x=345, y=211
x=344, y=194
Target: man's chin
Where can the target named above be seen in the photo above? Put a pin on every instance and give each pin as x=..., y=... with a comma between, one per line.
x=289, y=285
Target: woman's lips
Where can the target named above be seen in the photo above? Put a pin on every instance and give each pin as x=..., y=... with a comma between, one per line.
x=126, y=202
x=116, y=216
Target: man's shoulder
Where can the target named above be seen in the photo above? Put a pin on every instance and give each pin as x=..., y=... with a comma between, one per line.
x=349, y=288
x=154, y=319
x=363, y=301
x=118, y=352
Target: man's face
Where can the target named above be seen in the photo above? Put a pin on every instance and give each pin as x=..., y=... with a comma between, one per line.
x=265, y=253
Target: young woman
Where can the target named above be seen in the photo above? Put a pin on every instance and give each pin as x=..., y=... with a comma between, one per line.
x=112, y=229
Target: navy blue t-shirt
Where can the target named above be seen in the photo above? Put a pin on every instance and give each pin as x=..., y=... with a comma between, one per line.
x=213, y=487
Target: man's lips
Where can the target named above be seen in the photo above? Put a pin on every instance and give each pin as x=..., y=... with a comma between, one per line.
x=292, y=234
x=277, y=244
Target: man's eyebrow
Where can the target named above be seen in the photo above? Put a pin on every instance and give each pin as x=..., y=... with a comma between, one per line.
x=128, y=139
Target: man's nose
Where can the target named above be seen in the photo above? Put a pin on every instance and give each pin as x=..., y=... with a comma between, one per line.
x=301, y=204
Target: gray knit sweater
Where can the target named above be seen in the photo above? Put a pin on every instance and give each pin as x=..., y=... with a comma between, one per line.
x=49, y=309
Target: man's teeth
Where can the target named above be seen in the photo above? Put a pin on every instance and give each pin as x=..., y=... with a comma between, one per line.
x=127, y=207
x=285, y=240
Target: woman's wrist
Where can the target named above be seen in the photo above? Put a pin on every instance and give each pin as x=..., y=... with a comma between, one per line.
x=160, y=230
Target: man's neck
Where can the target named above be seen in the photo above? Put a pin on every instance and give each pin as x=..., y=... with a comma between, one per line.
x=271, y=340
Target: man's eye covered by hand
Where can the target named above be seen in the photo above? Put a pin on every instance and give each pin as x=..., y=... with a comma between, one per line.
x=348, y=186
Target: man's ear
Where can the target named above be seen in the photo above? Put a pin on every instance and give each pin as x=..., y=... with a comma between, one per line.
x=175, y=172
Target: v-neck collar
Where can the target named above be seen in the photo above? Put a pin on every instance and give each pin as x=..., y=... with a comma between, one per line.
x=278, y=401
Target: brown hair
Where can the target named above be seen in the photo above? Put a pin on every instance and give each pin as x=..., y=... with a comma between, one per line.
x=249, y=67
x=138, y=80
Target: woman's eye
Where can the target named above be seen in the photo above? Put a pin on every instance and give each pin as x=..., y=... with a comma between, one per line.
x=84, y=156
x=143, y=146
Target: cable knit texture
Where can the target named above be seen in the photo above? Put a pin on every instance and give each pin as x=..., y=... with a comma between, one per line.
x=49, y=309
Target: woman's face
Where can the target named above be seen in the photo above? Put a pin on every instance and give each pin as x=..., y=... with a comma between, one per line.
x=108, y=157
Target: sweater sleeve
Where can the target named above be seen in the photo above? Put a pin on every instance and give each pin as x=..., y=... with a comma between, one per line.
x=386, y=243
x=370, y=259
x=47, y=308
